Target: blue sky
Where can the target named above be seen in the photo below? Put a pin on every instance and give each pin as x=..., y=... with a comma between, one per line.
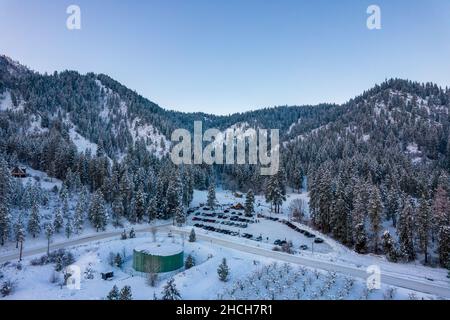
x=225, y=56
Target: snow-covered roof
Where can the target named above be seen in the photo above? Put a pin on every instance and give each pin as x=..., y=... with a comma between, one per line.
x=159, y=249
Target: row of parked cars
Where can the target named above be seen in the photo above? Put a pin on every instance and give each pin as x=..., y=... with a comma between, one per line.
x=250, y=236
x=235, y=224
x=228, y=223
x=302, y=231
x=219, y=230
x=204, y=220
x=241, y=219
x=268, y=218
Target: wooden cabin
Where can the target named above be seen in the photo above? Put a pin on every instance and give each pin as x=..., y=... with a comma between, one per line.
x=19, y=172
x=237, y=206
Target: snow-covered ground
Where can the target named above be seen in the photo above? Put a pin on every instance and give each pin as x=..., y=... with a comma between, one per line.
x=200, y=282
x=81, y=142
x=253, y=275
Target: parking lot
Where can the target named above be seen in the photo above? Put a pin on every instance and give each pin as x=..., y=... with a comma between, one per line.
x=261, y=228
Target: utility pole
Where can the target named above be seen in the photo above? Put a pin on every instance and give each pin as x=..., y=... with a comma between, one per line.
x=21, y=251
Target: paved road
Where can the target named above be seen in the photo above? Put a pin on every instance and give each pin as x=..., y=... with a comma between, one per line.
x=75, y=242
x=407, y=282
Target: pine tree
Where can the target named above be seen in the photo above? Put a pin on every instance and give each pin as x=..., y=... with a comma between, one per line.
x=113, y=294
x=190, y=262
x=188, y=188
x=321, y=200
x=180, y=217
x=19, y=230
x=249, y=202
x=160, y=200
x=423, y=226
x=192, y=236
x=20, y=237
x=277, y=199
x=375, y=211
x=405, y=231
x=5, y=221
x=139, y=206
x=440, y=211
x=125, y=190
x=65, y=202
x=393, y=206
x=211, y=201
x=152, y=210
x=360, y=238
x=444, y=245
x=5, y=196
x=68, y=229
x=270, y=186
x=125, y=293
x=49, y=231
x=78, y=220
x=340, y=210
x=34, y=221
x=118, y=261
x=117, y=210
x=389, y=246
x=359, y=214
x=170, y=291
x=223, y=270
x=97, y=212
x=58, y=221
x=174, y=196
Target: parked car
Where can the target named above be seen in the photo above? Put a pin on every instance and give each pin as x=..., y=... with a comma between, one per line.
x=318, y=240
x=304, y=247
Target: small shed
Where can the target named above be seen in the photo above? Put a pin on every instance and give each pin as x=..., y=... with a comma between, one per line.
x=238, y=206
x=19, y=172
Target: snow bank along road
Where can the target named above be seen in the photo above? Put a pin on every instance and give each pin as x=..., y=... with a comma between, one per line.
x=78, y=241
x=398, y=280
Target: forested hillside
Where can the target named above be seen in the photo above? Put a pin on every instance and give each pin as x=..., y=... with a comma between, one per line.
x=376, y=167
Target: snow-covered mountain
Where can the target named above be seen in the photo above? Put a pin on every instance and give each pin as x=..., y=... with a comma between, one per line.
x=389, y=146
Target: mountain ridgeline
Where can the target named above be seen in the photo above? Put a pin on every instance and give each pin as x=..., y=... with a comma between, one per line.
x=380, y=160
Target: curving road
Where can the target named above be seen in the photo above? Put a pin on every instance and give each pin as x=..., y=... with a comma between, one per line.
x=398, y=280
x=78, y=241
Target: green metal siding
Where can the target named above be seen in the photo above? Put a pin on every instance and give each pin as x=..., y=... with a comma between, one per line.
x=142, y=262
